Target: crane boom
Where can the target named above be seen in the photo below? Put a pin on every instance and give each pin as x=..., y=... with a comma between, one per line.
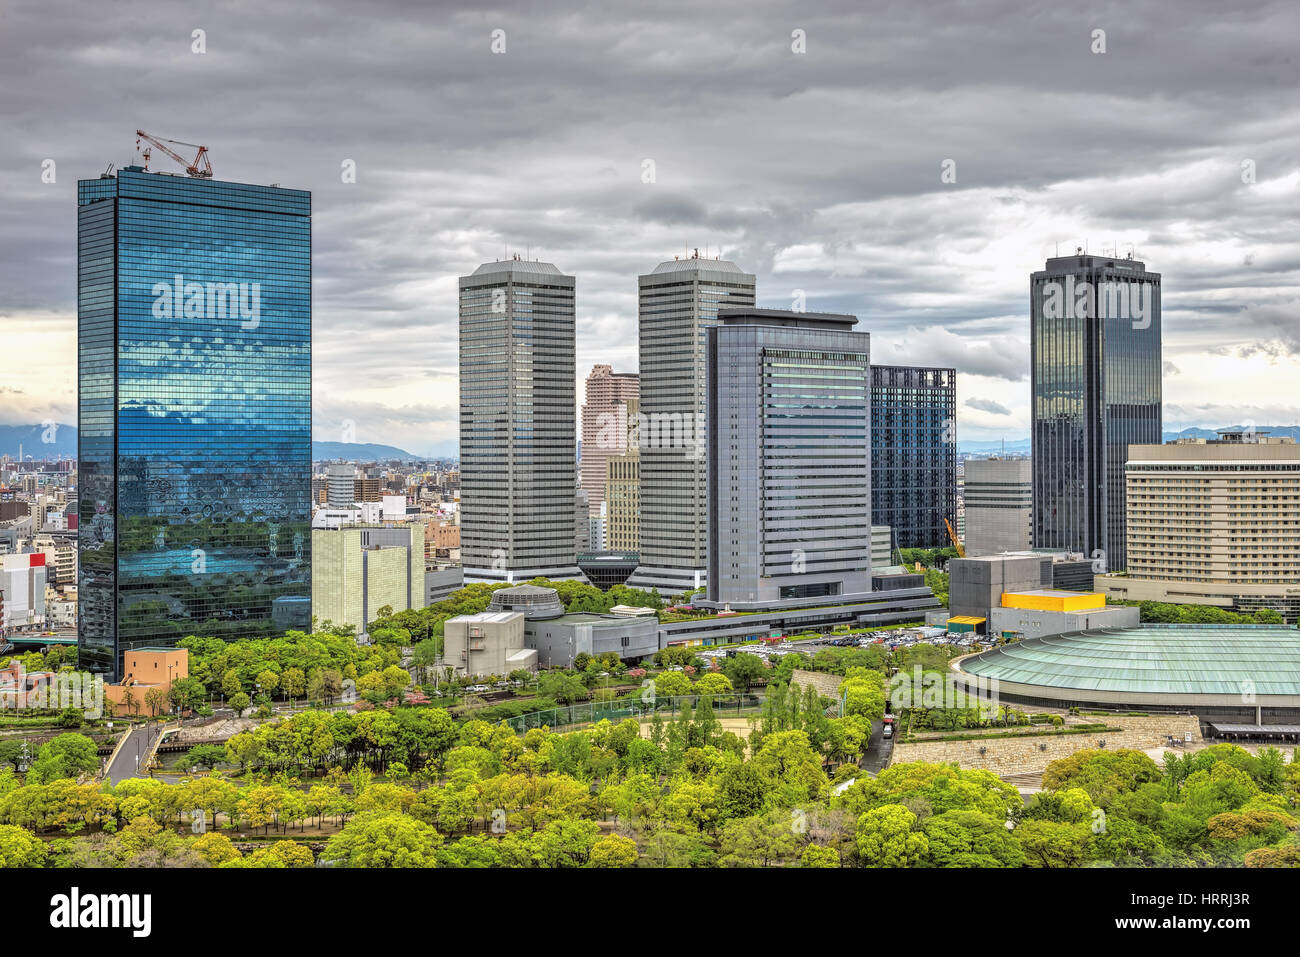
x=201, y=168
x=952, y=534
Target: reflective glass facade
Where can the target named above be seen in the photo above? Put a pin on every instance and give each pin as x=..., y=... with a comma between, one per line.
x=194, y=339
x=913, y=453
x=1096, y=367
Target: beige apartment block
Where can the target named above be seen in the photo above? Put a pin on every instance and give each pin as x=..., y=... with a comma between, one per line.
x=1213, y=522
x=623, y=497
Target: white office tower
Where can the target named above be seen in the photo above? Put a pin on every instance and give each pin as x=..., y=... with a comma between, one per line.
x=678, y=301
x=517, y=422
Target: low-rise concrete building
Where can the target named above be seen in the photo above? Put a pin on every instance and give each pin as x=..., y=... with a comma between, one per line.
x=977, y=582
x=439, y=583
x=559, y=638
x=489, y=643
x=1020, y=594
x=1042, y=612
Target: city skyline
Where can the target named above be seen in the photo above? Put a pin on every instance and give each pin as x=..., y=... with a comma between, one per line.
x=935, y=270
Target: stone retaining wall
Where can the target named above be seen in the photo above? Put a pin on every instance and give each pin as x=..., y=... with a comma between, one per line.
x=1020, y=756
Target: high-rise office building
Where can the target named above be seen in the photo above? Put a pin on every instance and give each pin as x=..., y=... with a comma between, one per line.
x=913, y=453
x=517, y=443
x=678, y=302
x=341, y=486
x=623, y=492
x=1095, y=369
x=604, y=427
x=194, y=341
x=789, y=458
x=999, y=497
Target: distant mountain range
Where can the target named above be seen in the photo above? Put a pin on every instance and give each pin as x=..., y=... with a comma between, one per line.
x=994, y=446
x=1274, y=431
x=1023, y=446
x=358, y=451
x=63, y=442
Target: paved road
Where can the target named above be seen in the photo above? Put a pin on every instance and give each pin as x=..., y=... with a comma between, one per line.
x=879, y=750
x=126, y=765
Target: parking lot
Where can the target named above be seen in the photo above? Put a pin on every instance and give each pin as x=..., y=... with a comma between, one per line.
x=891, y=639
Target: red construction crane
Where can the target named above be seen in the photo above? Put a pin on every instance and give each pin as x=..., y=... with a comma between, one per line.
x=203, y=171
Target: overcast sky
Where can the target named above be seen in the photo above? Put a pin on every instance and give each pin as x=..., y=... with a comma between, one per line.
x=818, y=171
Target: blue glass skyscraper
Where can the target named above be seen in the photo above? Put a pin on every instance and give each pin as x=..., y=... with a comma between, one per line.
x=913, y=453
x=194, y=349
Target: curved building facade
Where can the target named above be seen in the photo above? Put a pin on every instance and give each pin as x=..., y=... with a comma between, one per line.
x=533, y=601
x=1245, y=672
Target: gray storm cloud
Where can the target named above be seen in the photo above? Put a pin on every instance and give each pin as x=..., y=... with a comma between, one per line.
x=818, y=171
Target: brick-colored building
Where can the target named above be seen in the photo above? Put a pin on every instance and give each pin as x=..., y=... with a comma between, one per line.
x=604, y=426
x=143, y=669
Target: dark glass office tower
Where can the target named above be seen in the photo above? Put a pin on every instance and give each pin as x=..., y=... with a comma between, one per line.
x=194, y=349
x=913, y=453
x=1096, y=358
